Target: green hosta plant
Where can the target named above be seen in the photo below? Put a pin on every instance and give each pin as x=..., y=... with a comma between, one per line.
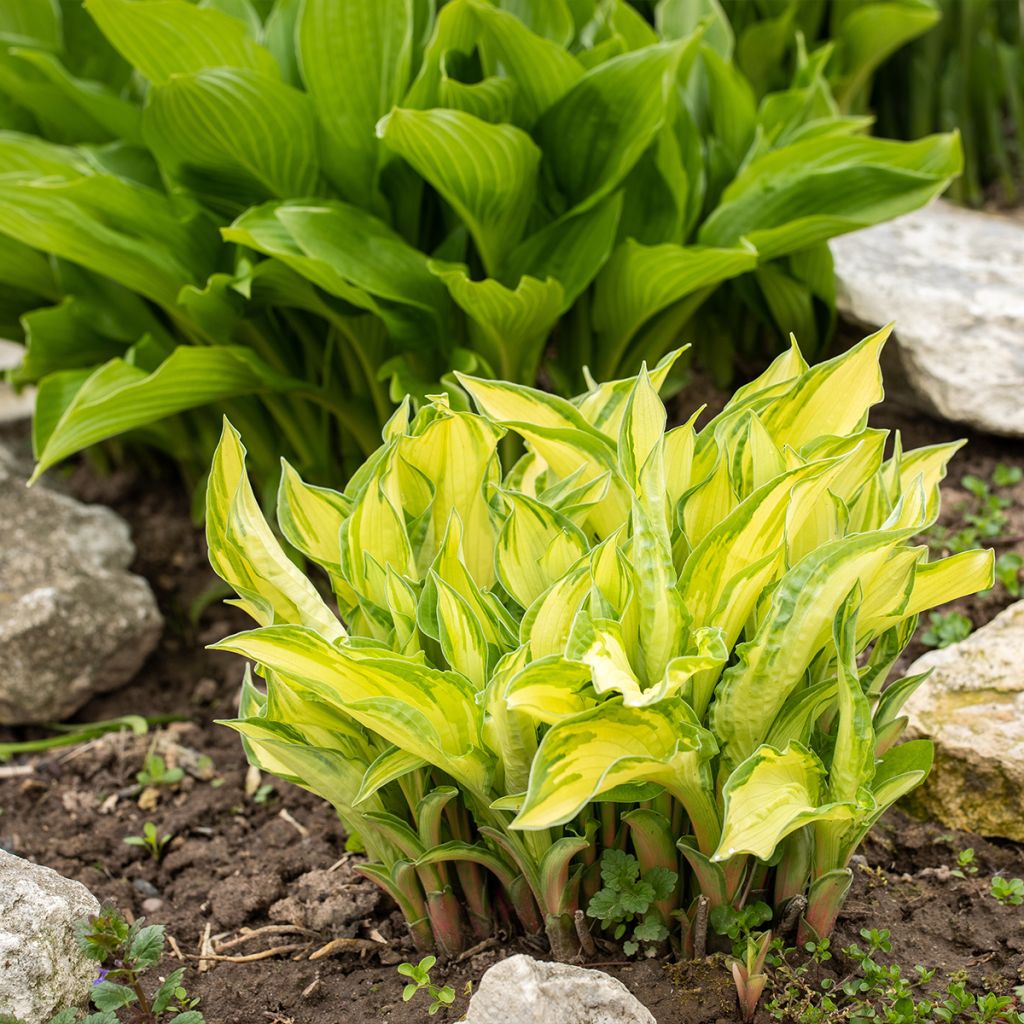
x=675, y=644
x=294, y=211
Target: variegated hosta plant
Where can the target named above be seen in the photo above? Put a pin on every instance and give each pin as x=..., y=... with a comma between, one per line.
x=676, y=643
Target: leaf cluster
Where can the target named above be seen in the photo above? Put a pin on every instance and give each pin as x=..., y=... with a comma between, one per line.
x=632, y=655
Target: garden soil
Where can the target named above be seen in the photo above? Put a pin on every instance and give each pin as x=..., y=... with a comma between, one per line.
x=250, y=869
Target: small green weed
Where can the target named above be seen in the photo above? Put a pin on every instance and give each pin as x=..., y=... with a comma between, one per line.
x=1008, y=566
x=965, y=864
x=151, y=840
x=946, y=628
x=626, y=897
x=984, y=517
x=156, y=773
x=873, y=992
x=419, y=975
x=1008, y=891
x=125, y=953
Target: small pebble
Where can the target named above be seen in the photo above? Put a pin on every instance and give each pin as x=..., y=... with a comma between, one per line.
x=205, y=691
x=153, y=905
x=144, y=888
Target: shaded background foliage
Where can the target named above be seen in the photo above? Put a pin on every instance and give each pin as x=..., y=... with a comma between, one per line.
x=297, y=212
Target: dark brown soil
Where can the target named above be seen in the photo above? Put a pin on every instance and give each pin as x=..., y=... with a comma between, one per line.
x=244, y=857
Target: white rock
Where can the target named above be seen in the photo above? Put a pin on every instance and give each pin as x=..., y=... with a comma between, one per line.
x=73, y=621
x=952, y=280
x=527, y=991
x=972, y=706
x=42, y=970
x=15, y=406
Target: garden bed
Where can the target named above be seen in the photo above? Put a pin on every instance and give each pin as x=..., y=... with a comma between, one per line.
x=237, y=848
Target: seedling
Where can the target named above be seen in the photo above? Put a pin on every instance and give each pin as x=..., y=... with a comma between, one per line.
x=151, y=840
x=420, y=980
x=1008, y=566
x=985, y=517
x=1008, y=891
x=263, y=794
x=125, y=953
x=965, y=864
x=626, y=897
x=1007, y=476
x=947, y=628
x=749, y=976
x=156, y=773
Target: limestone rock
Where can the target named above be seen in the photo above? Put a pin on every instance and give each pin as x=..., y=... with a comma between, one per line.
x=73, y=621
x=972, y=706
x=15, y=406
x=951, y=279
x=530, y=991
x=42, y=970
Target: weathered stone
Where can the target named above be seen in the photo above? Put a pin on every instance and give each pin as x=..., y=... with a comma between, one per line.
x=972, y=706
x=530, y=991
x=951, y=279
x=15, y=406
x=42, y=970
x=73, y=621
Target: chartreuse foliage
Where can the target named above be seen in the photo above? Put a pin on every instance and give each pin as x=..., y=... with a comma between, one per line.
x=675, y=644
x=294, y=212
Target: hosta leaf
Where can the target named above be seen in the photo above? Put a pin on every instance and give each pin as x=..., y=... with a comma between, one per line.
x=542, y=68
x=551, y=19
x=596, y=132
x=853, y=757
x=571, y=249
x=456, y=452
x=943, y=580
x=593, y=752
x=487, y=172
x=869, y=33
x=677, y=19
x=806, y=193
x=310, y=519
x=360, y=51
x=423, y=711
x=460, y=634
x=639, y=281
x=24, y=268
x=107, y=225
x=245, y=553
x=536, y=545
x=771, y=794
x=119, y=397
x=351, y=254
x=119, y=117
x=550, y=689
x=512, y=325
x=31, y=23
x=831, y=398
x=391, y=765
x=231, y=133
x=162, y=38
x=803, y=605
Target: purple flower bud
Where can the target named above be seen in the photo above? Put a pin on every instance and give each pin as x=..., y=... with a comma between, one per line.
x=102, y=976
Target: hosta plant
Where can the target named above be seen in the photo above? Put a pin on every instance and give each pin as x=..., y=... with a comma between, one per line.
x=675, y=644
x=294, y=211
